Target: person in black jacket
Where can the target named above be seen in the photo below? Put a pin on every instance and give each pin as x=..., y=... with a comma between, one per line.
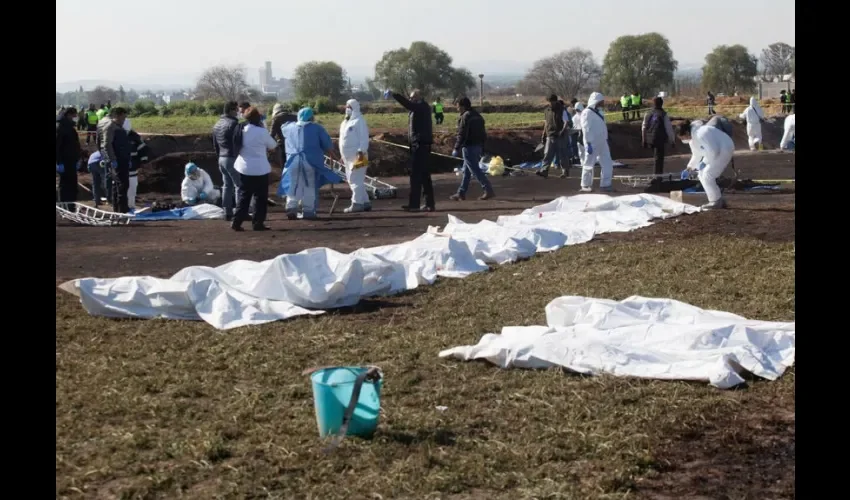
x=421, y=138
x=471, y=136
x=115, y=149
x=226, y=134
x=67, y=154
x=138, y=156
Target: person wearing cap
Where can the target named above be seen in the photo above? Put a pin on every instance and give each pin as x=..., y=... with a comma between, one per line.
x=420, y=136
x=305, y=172
x=197, y=186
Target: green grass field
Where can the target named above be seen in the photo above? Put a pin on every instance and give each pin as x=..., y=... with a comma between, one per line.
x=203, y=124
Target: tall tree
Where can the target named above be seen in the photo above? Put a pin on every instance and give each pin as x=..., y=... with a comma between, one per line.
x=642, y=63
x=777, y=60
x=730, y=69
x=566, y=73
x=320, y=79
x=424, y=66
x=101, y=94
x=226, y=83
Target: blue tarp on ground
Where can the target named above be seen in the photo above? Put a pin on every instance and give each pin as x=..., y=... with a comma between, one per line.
x=205, y=211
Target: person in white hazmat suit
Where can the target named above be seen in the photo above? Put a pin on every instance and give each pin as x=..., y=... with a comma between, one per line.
x=595, y=133
x=354, y=149
x=711, y=152
x=197, y=187
x=754, y=117
x=788, y=137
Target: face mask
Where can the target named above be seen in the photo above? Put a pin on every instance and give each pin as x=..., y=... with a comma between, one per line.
x=686, y=141
x=348, y=112
x=239, y=115
x=74, y=119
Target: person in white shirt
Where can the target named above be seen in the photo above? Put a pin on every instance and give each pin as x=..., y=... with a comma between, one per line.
x=711, y=152
x=197, y=186
x=354, y=149
x=254, y=169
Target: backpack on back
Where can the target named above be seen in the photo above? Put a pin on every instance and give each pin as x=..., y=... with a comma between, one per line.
x=656, y=133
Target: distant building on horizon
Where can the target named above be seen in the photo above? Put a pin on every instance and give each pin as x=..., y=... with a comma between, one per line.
x=270, y=85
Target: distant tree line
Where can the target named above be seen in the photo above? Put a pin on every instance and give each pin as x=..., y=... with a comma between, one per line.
x=633, y=63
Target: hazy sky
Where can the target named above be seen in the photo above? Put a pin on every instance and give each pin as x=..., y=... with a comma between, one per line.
x=156, y=41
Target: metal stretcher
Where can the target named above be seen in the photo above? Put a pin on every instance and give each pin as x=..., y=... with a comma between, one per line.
x=376, y=189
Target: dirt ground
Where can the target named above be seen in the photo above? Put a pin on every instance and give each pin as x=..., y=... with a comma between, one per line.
x=135, y=250
x=161, y=409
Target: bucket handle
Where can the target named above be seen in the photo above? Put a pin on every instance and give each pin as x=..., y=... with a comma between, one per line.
x=372, y=374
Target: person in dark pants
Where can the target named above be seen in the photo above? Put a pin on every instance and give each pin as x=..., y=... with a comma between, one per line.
x=115, y=149
x=421, y=138
x=438, y=111
x=555, y=137
x=68, y=153
x=709, y=100
x=793, y=100
x=657, y=132
x=91, y=120
x=254, y=169
x=225, y=135
x=471, y=136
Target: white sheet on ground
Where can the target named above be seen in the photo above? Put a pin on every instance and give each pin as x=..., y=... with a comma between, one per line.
x=641, y=337
x=243, y=292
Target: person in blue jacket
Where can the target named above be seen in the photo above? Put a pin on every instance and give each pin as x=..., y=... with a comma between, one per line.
x=305, y=172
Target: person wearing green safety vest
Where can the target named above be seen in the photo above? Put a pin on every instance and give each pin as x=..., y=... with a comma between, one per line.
x=625, y=103
x=103, y=111
x=437, y=107
x=636, y=103
x=91, y=124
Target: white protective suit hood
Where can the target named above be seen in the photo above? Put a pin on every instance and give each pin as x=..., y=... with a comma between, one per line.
x=355, y=108
x=594, y=99
x=754, y=103
x=353, y=133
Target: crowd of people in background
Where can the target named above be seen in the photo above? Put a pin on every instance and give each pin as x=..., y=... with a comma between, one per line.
x=573, y=134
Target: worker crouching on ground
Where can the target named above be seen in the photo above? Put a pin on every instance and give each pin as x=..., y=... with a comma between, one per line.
x=306, y=143
x=711, y=152
x=138, y=157
x=197, y=186
x=595, y=133
x=657, y=131
x=471, y=136
x=115, y=150
x=68, y=153
x=754, y=117
x=354, y=149
x=555, y=137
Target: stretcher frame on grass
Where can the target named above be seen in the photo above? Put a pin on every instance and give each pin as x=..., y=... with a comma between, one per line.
x=376, y=189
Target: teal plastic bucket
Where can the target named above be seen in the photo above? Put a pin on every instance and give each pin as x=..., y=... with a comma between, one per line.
x=332, y=390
